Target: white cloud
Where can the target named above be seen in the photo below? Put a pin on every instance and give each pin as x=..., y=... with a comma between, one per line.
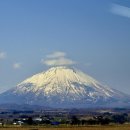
x=120, y=10
x=17, y=65
x=2, y=55
x=57, y=62
x=56, y=54
x=56, y=59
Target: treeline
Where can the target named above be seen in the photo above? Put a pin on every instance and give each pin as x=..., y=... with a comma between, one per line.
x=38, y=119
x=104, y=119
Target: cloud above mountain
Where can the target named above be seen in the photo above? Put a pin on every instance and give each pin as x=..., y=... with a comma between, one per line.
x=120, y=10
x=57, y=58
x=56, y=54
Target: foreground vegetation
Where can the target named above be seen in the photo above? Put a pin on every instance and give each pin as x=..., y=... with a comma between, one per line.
x=98, y=127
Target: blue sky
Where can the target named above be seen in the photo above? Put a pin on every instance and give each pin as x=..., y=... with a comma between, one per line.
x=91, y=35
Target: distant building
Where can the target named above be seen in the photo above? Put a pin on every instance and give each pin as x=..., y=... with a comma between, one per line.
x=55, y=123
x=37, y=119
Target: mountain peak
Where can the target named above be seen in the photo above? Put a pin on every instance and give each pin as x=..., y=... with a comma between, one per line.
x=63, y=68
x=60, y=74
x=61, y=87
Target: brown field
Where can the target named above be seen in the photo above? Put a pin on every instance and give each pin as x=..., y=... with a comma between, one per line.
x=114, y=127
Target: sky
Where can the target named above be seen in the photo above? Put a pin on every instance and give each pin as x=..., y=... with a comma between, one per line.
x=91, y=35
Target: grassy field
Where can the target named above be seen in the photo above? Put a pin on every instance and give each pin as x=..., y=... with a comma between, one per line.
x=114, y=127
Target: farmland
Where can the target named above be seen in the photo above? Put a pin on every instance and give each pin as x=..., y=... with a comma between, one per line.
x=109, y=127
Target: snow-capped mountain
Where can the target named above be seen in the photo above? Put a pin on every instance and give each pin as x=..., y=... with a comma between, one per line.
x=63, y=87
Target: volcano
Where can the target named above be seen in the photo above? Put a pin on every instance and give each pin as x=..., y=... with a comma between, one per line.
x=64, y=87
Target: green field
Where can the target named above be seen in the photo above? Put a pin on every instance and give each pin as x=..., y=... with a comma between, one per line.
x=114, y=127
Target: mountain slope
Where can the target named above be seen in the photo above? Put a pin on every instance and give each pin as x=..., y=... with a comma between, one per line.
x=63, y=87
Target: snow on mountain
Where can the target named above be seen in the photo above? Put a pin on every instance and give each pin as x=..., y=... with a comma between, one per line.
x=62, y=87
